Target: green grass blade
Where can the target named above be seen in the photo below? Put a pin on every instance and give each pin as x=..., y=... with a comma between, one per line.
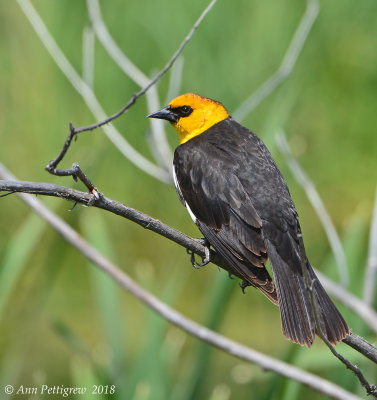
x=218, y=298
x=107, y=295
x=17, y=254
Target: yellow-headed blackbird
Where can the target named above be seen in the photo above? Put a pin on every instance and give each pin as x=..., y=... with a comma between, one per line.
x=228, y=181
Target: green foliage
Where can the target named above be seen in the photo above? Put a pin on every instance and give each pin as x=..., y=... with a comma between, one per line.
x=64, y=322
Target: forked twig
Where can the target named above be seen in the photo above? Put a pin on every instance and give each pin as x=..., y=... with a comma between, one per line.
x=90, y=99
x=51, y=167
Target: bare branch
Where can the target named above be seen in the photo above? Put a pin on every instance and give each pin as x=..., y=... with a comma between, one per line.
x=362, y=346
x=286, y=66
x=90, y=99
x=265, y=362
x=175, y=80
x=316, y=201
x=371, y=268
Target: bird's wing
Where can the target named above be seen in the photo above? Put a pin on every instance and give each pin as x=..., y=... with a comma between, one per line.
x=224, y=212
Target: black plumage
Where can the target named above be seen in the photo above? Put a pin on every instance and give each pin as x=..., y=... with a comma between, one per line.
x=228, y=179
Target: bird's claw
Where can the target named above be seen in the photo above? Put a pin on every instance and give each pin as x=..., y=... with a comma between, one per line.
x=205, y=260
x=192, y=258
x=244, y=284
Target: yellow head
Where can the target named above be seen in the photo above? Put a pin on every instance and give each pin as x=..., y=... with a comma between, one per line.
x=191, y=115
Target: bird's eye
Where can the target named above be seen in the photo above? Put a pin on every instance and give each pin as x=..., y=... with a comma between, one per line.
x=186, y=110
x=182, y=111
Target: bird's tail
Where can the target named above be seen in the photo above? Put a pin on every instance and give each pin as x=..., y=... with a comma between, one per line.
x=297, y=314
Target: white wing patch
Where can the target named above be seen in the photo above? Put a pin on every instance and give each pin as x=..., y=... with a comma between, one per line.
x=181, y=197
x=190, y=212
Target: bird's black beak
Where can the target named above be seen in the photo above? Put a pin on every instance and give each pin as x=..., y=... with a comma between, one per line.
x=165, y=113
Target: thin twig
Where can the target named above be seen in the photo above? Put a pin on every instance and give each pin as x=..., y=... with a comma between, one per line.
x=265, y=362
x=156, y=78
x=8, y=194
x=139, y=218
x=371, y=268
x=77, y=173
x=317, y=203
x=175, y=80
x=162, y=151
x=286, y=66
x=90, y=99
x=370, y=389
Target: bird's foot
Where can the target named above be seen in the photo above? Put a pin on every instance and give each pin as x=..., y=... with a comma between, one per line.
x=230, y=275
x=206, y=259
x=244, y=284
x=192, y=258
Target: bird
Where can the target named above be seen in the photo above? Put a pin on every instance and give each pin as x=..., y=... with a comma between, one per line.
x=235, y=193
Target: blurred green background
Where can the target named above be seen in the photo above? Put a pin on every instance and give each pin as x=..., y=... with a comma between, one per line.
x=61, y=321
